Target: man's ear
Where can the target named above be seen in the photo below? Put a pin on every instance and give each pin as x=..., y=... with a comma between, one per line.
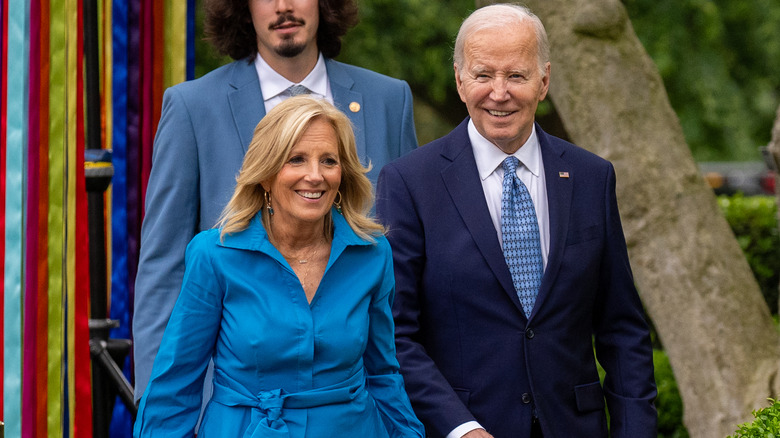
x=545, y=83
x=459, y=83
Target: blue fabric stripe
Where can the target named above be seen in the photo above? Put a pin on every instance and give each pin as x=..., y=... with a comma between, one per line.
x=121, y=420
x=16, y=113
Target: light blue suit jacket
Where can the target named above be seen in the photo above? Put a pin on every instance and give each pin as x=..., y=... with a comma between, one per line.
x=204, y=131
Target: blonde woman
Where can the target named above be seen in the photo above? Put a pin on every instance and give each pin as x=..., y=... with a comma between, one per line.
x=290, y=295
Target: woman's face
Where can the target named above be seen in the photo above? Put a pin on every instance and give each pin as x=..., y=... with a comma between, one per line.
x=302, y=193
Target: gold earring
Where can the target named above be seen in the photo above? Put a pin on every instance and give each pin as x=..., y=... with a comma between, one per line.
x=268, y=203
x=337, y=204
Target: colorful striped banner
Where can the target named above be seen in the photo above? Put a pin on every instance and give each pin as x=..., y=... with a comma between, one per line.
x=46, y=380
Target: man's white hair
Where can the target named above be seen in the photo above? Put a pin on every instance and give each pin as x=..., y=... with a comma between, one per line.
x=503, y=15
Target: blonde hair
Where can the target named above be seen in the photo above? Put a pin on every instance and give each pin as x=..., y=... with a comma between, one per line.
x=274, y=137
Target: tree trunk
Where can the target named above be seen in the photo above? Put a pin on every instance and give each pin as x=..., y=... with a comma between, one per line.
x=693, y=278
x=774, y=151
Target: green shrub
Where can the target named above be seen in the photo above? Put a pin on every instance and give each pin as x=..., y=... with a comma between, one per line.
x=668, y=404
x=754, y=222
x=766, y=424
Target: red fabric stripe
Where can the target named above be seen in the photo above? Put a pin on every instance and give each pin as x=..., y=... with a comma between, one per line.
x=82, y=424
x=41, y=373
x=31, y=293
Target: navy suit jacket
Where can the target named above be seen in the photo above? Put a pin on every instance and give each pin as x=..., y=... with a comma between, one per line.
x=466, y=349
x=204, y=131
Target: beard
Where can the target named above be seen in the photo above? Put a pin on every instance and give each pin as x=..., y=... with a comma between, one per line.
x=290, y=49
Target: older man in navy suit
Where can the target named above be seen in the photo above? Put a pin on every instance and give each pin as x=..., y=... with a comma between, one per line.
x=511, y=263
x=282, y=48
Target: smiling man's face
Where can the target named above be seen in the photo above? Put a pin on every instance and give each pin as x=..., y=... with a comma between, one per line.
x=501, y=83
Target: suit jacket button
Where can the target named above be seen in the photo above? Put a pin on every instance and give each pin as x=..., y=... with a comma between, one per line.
x=529, y=334
x=526, y=398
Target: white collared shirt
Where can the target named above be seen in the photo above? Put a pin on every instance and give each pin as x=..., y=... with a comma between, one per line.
x=273, y=85
x=531, y=172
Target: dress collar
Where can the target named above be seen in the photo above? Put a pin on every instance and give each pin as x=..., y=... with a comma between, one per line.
x=255, y=236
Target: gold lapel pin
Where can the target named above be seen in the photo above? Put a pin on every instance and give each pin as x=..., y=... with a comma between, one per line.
x=563, y=174
x=354, y=107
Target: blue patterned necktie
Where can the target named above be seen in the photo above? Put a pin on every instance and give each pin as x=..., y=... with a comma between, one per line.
x=296, y=90
x=520, y=233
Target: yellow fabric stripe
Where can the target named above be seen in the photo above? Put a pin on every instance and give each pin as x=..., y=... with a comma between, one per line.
x=175, y=69
x=72, y=11
x=57, y=120
x=108, y=117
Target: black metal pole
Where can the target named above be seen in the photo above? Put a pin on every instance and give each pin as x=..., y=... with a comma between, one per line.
x=97, y=239
x=101, y=350
x=102, y=405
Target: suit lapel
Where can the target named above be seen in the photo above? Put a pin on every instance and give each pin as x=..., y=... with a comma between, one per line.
x=559, y=190
x=461, y=179
x=350, y=102
x=246, y=100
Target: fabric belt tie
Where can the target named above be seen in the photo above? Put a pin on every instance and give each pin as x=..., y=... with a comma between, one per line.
x=270, y=407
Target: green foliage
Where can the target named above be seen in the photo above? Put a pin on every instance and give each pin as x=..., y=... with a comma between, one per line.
x=668, y=404
x=411, y=40
x=766, y=424
x=718, y=62
x=206, y=57
x=754, y=222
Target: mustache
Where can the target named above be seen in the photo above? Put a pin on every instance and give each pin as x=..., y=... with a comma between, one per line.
x=287, y=18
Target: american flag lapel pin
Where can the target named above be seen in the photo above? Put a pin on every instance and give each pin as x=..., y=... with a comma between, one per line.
x=563, y=174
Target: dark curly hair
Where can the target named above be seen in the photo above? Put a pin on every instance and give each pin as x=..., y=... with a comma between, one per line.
x=229, y=28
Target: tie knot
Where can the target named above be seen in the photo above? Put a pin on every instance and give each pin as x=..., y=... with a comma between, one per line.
x=296, y=90
x=510, y=165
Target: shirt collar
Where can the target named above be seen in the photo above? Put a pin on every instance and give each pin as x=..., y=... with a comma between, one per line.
x=272, y=83
x=255, y=237
x=489, y=157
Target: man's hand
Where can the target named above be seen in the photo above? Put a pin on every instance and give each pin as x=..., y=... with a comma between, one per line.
x=478, y=433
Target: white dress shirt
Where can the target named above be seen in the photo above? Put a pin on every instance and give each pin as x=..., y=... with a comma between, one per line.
x=491, y=173
x=273, y=85
x=531, y=172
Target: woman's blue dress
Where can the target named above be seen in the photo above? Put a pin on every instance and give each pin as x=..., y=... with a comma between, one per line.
x=282, y=367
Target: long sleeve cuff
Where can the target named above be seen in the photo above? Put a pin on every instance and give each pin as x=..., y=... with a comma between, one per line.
x=463, y=429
